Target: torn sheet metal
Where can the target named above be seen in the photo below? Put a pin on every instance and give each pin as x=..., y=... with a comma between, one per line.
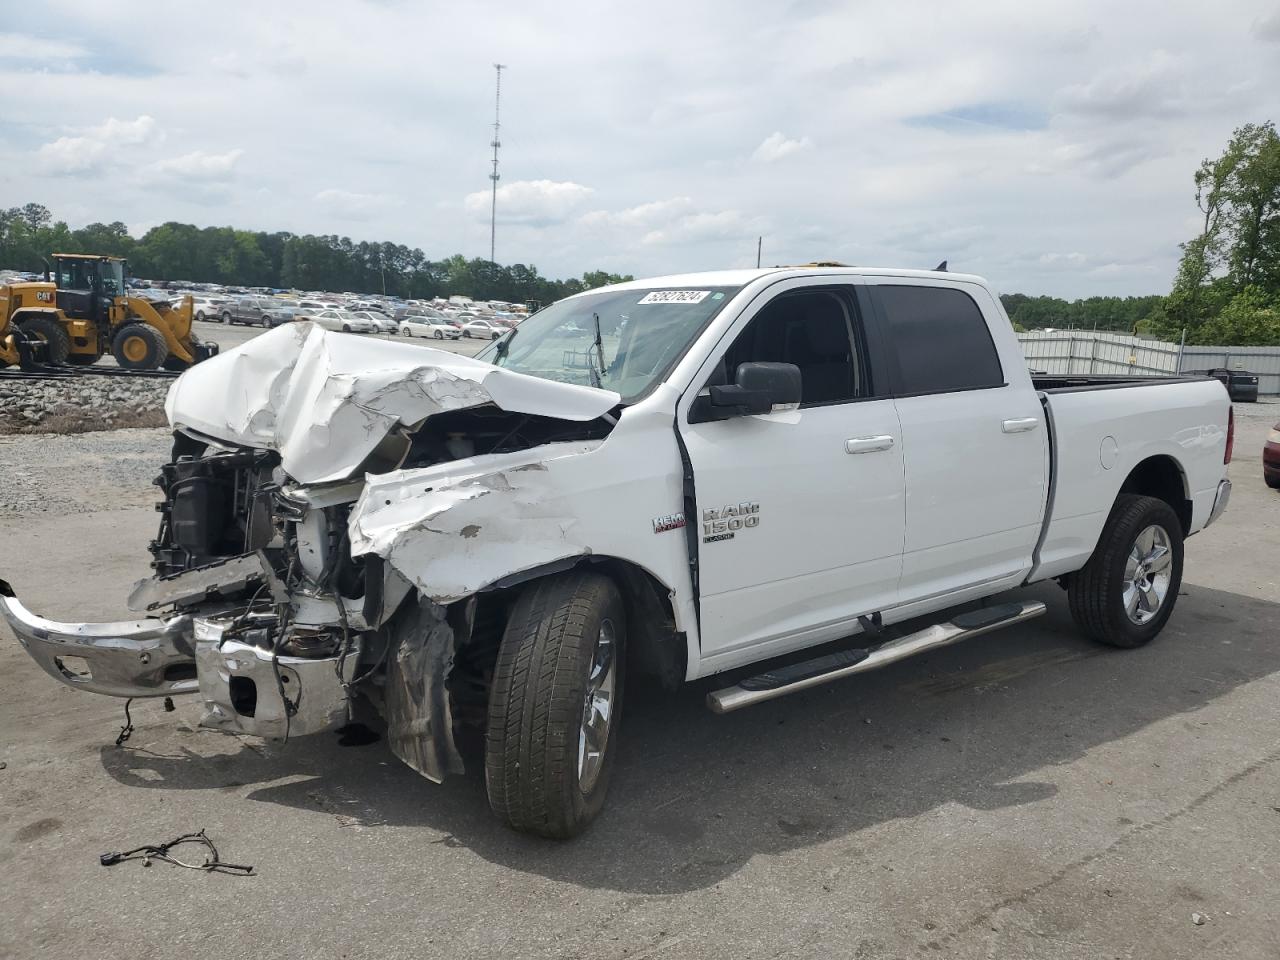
x=454, y=528
x=326, y=400
x=419, y=718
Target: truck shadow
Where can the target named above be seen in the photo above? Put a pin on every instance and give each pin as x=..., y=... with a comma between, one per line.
x=695, y=796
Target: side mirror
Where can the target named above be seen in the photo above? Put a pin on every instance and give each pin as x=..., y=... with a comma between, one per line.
x=757, y=388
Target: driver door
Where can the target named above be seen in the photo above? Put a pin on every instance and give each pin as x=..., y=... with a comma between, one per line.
x=800, y=513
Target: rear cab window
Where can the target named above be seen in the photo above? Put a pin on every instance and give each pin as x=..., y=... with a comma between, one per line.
x=938, y=340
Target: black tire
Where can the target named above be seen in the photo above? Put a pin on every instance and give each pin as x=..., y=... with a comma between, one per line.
x=1096, y=593
x=137, y=346
x=226, y=318
x=537, y=704
x=266, y=323
x=438, y=335
x=467, y=334
x=1272, y=480
x=175, y=363
x=82, y=359
x=346, y=328
x=52, y=333
x=200, y=315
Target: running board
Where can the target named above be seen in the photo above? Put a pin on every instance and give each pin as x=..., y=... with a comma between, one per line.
x=845, y=663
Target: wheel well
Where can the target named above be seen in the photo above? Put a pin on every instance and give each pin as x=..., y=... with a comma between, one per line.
x=655, y=650
x=1162, y=478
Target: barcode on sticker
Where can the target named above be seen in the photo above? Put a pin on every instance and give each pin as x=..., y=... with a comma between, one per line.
x=674, y=296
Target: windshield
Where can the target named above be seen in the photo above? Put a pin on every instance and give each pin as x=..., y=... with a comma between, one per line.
x=113, y=277
x=621, y=340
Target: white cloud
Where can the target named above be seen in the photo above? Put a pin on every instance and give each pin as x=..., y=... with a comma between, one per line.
x=346, y=205
x=720, y=225
x=776, y=146
x=97, y=147
x=1268, y=28
x=1072, y=259
x=645, y=214
x=197, y=167
x=17, y=46
x=536, y=203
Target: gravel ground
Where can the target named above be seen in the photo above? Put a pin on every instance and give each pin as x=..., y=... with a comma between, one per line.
x=80, y=472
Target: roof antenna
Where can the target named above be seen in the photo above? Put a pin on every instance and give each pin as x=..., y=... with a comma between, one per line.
x=941, y=268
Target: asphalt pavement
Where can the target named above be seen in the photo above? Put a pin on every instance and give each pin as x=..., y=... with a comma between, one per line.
x=1027, y=794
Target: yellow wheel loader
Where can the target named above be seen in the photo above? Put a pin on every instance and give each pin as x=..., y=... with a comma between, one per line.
x=82, y=310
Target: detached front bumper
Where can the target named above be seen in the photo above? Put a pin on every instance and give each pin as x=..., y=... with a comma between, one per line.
x=131, y=658
x=243, y=685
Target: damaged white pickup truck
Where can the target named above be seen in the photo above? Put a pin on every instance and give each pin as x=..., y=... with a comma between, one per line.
x=671, y=478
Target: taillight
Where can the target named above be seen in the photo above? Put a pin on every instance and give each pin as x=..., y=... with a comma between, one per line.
x=1231, y=433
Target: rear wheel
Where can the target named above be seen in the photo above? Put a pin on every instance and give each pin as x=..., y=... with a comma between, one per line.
x=58, y=344
x=266, y=322
x=438, y=335
x=137, y=346
x=226, y=318
x=1126, y=592
x=554, y=705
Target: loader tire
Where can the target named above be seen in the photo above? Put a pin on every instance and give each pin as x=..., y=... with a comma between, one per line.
x=555, y=703
x=52, y=333
x=1125, y=594
x=137, y=346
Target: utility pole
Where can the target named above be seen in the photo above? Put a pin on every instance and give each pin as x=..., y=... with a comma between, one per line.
x=493, y=208
x=759, y=242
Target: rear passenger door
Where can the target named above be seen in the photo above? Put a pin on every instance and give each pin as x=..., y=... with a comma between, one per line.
x=973, y=438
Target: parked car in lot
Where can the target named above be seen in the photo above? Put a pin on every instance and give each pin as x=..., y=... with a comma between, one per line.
x=484, y=329
x=342, y=320
x=256, y=311
x=381, y=322
x=663, y=479
x=207, y=308
x=1242, y=386
x=416, y=325
x=1271, y=458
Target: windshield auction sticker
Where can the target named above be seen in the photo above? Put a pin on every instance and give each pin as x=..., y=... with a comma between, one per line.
x=674, y=296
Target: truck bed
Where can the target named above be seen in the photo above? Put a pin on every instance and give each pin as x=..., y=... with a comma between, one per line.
x=1070, y=383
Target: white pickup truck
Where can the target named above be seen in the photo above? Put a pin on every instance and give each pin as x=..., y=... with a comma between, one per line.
x=766, y=472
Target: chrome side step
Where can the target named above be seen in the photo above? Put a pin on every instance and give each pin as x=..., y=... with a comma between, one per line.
x=845, y=663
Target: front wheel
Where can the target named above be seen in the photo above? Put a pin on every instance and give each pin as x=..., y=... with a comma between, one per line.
x=554, y=704
x=1126, y=592
x=438, y=335
x=226, y=318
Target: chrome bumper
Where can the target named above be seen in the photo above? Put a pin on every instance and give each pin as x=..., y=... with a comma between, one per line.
x=1220, y=501
x=243, y=686
x=131, y=658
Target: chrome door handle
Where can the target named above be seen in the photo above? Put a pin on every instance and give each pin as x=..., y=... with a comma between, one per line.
x=1021, y=425
x=868, y=444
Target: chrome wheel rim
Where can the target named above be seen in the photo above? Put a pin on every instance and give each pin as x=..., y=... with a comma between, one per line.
x=1147, y=574
x=597, y=707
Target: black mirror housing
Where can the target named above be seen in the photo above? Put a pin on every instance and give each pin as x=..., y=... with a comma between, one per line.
x=757, y=388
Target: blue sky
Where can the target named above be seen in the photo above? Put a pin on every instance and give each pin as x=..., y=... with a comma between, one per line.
x=1047, y=146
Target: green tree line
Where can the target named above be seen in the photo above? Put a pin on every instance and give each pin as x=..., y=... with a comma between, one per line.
x=182, y=251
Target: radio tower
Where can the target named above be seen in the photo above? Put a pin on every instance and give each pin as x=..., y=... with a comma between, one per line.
x=493, y=208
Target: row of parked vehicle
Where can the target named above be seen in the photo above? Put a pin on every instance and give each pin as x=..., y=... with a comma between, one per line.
x=410, y=320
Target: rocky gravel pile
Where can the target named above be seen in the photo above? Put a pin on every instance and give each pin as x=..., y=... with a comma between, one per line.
x=80, y=473
x=76, y=405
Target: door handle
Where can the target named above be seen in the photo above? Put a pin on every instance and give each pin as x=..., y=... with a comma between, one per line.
x=868, y=444
x=1020, y=425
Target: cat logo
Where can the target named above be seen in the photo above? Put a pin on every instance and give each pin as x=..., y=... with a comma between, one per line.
x=45, y=295
x=722, y=523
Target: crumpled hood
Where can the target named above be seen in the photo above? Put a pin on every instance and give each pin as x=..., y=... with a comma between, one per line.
x=324, y=400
